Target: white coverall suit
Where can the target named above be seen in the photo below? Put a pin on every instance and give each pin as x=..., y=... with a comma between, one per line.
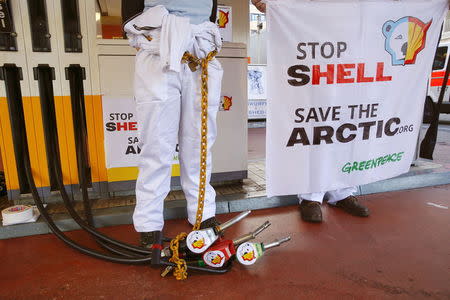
x=168, y=97
x=332, y=196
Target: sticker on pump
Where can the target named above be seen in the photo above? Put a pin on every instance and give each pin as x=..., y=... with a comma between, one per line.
x=248, y=253
x=198, y=241
x=214, y=259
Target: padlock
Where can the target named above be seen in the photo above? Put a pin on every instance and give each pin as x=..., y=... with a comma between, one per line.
x=193, y=65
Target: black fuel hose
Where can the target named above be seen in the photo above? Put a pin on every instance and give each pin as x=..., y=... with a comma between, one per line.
x=75, y=82
x=44, y=75
x=51, y=224
x=21, y=142
x=85, y=250
x=130, y=258
x=81, y=222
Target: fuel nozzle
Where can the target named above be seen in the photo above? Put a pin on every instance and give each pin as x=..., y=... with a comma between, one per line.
x=248, y=253
x=219, y=253
x=199, y=240
x=251, y=235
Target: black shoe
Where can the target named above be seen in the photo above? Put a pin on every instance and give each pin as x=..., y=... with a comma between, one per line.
x=209, y=223
x=352, y=206
x=310, y=211
x=147, y=239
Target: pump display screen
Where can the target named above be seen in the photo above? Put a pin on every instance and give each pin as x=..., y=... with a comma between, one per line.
x=5, y=18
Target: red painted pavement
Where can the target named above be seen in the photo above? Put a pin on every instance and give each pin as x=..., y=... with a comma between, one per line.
x=402, y=251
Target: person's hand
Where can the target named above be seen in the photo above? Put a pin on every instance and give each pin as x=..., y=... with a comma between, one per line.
x=260, y=5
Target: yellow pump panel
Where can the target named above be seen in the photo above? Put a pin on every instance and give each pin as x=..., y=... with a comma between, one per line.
x=7, y=148
x=40, y=142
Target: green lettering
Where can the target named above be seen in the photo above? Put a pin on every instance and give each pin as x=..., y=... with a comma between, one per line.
x=379, y=160
x=361, y=166
x=347, y=168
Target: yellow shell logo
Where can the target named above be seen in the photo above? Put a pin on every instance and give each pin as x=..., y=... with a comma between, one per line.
x=217, y=260
x=223, y=19
x=249, y=256
x=198, y=244
x=405, y=38
x=227, y=102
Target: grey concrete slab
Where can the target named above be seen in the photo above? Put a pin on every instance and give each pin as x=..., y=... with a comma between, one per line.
x=406, y=182
x=14, y=231
x=103, y=218
x=261, y=203
x=225, y=204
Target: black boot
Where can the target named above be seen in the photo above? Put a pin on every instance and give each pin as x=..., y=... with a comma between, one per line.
x=209, y=223
x=310, y=211
x=147, y=239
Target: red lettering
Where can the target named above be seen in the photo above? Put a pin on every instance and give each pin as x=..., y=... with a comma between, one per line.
x=132, y=126
x=121, y=126
x=342, y=73
x=329, y=74
x=360, y=74
x=380, y=70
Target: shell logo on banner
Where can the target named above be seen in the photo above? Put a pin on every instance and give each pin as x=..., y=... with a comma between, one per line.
x=405, y=38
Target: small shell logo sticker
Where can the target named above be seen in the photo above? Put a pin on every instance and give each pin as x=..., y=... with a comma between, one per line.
x=226, y=103
x=214, y=259
x=223, y=19
x=405, y=38
x=196, y=241
x=247, y=254
x=198, y=244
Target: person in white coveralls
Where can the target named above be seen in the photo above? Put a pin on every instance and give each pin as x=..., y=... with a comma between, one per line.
x=168, y=35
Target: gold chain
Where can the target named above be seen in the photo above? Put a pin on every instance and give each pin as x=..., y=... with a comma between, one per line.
x=181, y=270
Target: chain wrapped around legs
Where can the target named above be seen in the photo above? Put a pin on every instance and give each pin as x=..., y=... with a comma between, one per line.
x=193, y=62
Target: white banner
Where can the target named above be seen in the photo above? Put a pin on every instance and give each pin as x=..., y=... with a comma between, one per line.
x=346, y=87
